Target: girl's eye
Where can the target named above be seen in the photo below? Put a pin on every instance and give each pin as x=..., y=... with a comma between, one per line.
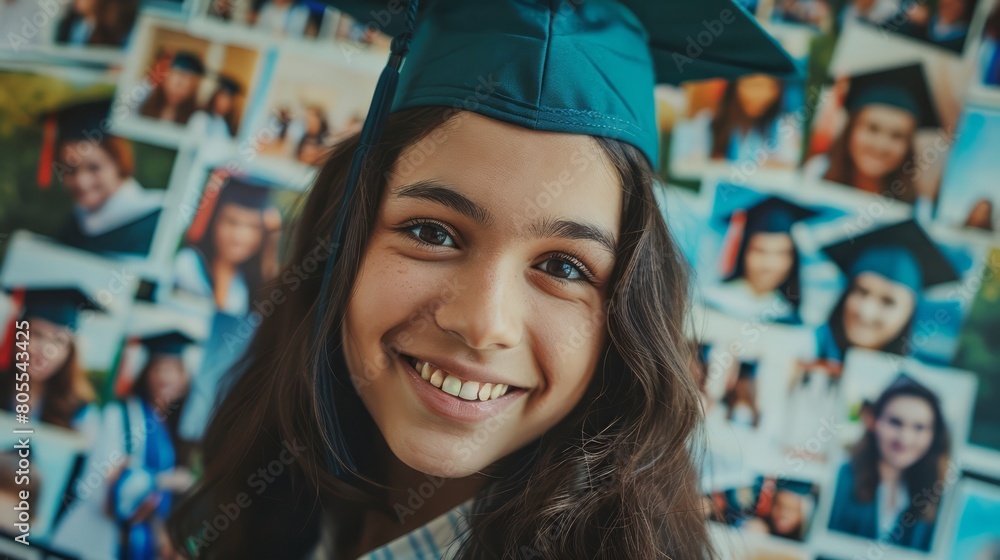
x=562, y=269
x=432, y=235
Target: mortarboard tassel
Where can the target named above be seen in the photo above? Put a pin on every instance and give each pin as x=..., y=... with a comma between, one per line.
x=47, y=155
x=731, y=242
x=339, y=456
x=126, y=373
x=7, y=350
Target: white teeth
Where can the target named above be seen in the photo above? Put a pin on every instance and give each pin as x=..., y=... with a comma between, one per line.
x=437, y=378
x=470, y=390
x=452, y=385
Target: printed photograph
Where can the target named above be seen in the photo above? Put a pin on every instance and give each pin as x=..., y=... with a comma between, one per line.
x=232, y=245
x=174, y=79
x=68, y=176
x=904, y=424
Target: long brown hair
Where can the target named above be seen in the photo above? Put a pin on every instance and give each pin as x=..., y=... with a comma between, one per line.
x=158, y=100
x=733, y=119
x=616, y=479
x=66, y=391
x=922, y=477
x=898, y=184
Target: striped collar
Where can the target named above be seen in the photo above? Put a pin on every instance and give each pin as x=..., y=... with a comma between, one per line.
x=438, y=539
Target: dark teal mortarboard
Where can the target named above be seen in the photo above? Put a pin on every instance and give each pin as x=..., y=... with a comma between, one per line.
x=901, y=252
x=573, y=66
x=82, y=121
x=171, y=343
x=246, y=192
x=904, y=87
x=229, y=85
x=61, y=306
x=582, y=67
x=774, y=215
x=188, y=62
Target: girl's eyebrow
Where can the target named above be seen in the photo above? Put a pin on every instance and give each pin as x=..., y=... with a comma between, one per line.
x=441, y=193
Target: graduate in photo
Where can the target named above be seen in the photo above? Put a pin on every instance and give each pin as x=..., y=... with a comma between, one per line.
x=947, y=26
x=444, y=303
x=123, y=517
x=112, y=213
x=875, y=150
x=219, y=118
x=746, y=126
x=784, y=509
x=741, y=398
x=887, y=271
x=175, y=99
x=60, y=393
x=97, y=22
x=761, y=263
x=888, y=490
x=237, y=251
x=314, y=137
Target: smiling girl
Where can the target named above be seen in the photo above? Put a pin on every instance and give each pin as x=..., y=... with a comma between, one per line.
x=494, y=363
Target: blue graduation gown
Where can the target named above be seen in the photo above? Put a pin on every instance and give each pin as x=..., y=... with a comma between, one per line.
x=850, y=516
x=133, y=238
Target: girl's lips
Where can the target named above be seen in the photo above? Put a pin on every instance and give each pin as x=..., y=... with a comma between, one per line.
x=454, y=407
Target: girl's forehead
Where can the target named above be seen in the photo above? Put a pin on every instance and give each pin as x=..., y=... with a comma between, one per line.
x=512, y=170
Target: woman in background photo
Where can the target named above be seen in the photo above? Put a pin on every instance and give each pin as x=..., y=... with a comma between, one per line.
x=888, y=490
x=747, y=125
x=237, y=253
x=875, y=151
x=112, y=213
x=176, y=98
x=219, y=118
x=97, y=22
x=123, y=516
x=761, y=263
x=60, y=393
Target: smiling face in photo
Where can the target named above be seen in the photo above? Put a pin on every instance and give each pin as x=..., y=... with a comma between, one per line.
x=476, y=322
x=877, y=310
x=881, y=137
x=904, y=431
x=768, y=261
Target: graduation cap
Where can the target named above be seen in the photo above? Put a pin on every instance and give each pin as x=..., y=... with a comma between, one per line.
x=554, y=65
x=189, y=62
x=229, y=85
x=901, y=252
x=171, y=343
x=61, y=306
x=70, y=123
x=245, y=192
x=904, y=88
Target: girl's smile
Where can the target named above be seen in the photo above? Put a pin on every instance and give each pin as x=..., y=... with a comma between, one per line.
x=459, y=399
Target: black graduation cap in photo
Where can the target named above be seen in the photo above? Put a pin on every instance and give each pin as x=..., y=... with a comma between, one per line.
x=773, y=215
x=59, y=305
x=905, y=88
x=901, y=252
x=69, y=123
x=245, y=192
x=229, y=85
x=169, y=343
x=82, y=120
x=189, y=62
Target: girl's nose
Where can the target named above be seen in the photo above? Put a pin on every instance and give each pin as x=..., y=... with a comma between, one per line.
x=486, y=310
